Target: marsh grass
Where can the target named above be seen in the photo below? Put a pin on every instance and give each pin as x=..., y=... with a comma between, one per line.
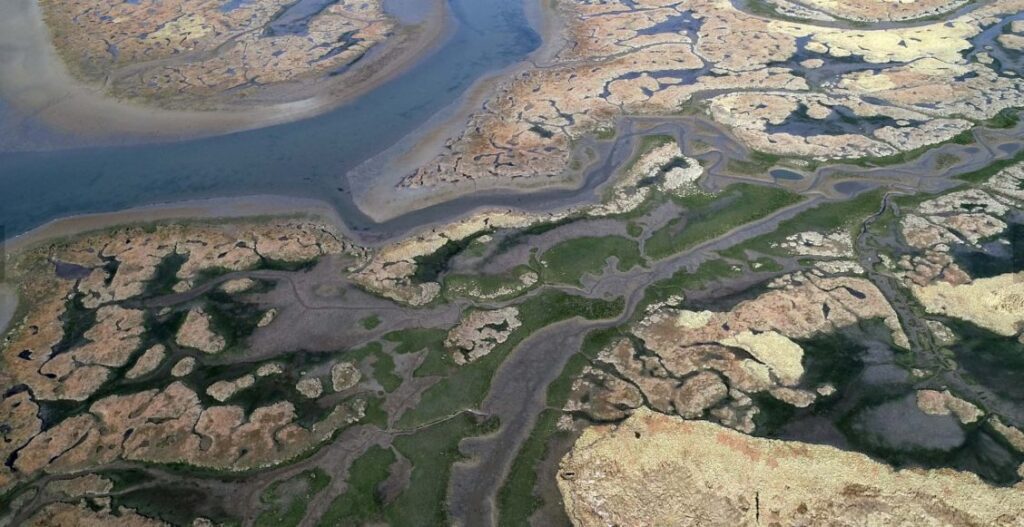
x=825, y=218
x=571, y=260
x=710, y=216
x=432, y=451
x=517, y=499
x=464, y=387
x=286, y=501
x=361, y=503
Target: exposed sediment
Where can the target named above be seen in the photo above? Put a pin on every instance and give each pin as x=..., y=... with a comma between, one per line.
x=914, y=87
x=655, y=469
x=191, y=52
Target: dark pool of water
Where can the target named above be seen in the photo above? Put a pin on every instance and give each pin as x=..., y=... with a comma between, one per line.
x=294, y=20
x=304, y=159
x=851, y=188
x=1009, y=149
x=994, y=361
x=1006, y=61
x=786, y=175
x=840, y=121
x=995, y=257
x=683, y=23
x=71, y=271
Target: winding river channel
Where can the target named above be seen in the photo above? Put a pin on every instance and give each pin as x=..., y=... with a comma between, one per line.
x=310, y=159
x=325, y=158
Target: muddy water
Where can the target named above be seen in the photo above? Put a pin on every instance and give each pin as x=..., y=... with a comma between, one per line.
x=26, y=204
x=303, y=159
x=309, y=159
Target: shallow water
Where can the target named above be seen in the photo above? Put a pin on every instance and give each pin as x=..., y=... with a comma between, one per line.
x=898, y=424
x=985, y=42
x=303, y=159
x=294, y=20
x=850, y=188
x=786, y=175
x=408, y=11
x=840, y=121
x=8, y=305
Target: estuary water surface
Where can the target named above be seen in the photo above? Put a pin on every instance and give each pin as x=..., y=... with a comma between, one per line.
x=306, y=158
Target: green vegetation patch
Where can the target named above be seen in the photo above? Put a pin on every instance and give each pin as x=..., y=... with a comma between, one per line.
x=430, y=266
x=463, y=387
x=553, y=306
x=176, y=504
x=375, y=414
x=488, y=287
x=683, y=280
x=757, y=163
x=286, y=501
x=432, y=451
x=760, y=162
x=824, y=218
x=984, y=174
x=165, y=276
x=384, y=372
x=370, y=322
x=765, y=264
x=569, y=261
x=646, y=145
x=231, y=319
x=517, y=499
x=963, y=138
x=605, y=134
x=944, y=161
x=383, y=364
x=124, y=479
x=709, y=217
x=416, y=339
x=1006, y=118
x=361, y=503
x=267, y=390
x=767, y=10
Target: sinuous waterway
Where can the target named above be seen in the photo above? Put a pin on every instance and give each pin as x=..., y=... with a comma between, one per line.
x=311, y=158
x=307, y=158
